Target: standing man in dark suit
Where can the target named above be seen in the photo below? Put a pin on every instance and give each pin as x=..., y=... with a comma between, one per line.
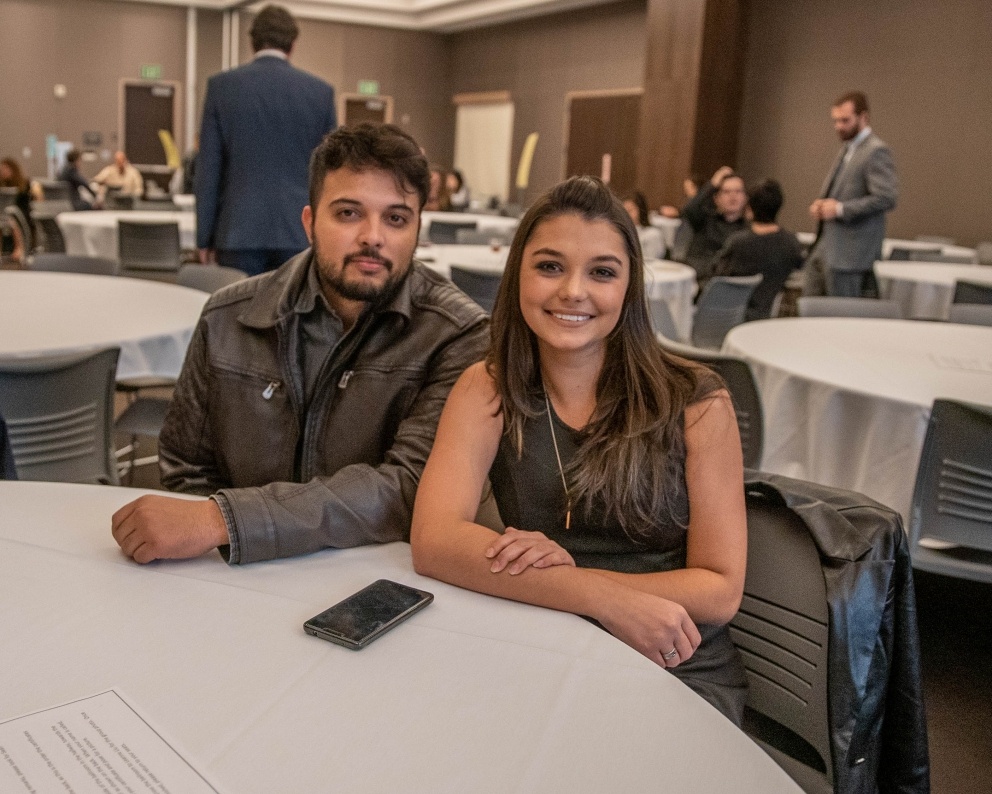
x=261, y=121
x=861, y=188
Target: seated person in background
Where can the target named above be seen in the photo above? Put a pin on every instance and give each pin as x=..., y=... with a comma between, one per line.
x=120, y=175
x=690, y=187
x=652, y=242
x=11, y=176
x=77, y=182
x=766, y=248
x=11, y=241
x=458, y=195
x=616, y=467
x=310, y=395
x=437, y=198
x=715, y=212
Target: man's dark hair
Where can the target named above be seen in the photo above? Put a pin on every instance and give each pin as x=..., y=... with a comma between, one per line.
x=765, y=201
x=856, y=98
x=274, y=28
x=364, y=147
x=73, y=155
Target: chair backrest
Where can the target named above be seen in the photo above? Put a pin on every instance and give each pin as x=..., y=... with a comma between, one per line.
x=54, y=241
x=59, y=414
x=208, y=278
x=7, y=469
x=970, y=292
x=952, y=500
x=901, y=254
x=18, y=219
x=148, y=246
x=447, y=231
x=782, y=634
x=71, y=263
x=483, y=236
x=8, y=195
x=480, y=286
x=829, y=306
x=56, y=190
x=721, y=306
x=971, y=313
x=983, y=253
x=743, y=388
x=116, y=201
x=163, y=204
x=661, y=318
x=681, y=242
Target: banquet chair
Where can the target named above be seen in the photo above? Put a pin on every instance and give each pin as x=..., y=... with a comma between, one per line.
x=8, y=195
x=55, y=190
x=983, y=253
x=8, y=471
x=145, y=416
x=446, y=232
x=971, y=314
x=483, y=236
x=736, y=373
x=149, y=250
x=70, y=263
x=721, y=306
x=115, y=200
x=162, y=204
x=950, y=525
x=830, y=306
x=681, y=242
x=898, y=254
x=208, y=278
x=970, y=292
x=661, y=318
x=480, y=286
x=16, y=217
x=52, y=235
x=59, y=414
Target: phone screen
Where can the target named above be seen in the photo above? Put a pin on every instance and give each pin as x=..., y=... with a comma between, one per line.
x=362, y=617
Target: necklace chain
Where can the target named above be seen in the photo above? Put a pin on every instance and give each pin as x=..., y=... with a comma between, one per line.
x=561, y=470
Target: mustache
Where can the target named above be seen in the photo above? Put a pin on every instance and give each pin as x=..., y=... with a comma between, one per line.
x=367, y=252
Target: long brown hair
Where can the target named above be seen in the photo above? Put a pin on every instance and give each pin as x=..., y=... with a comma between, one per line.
x=633, y=448
x=17, y=178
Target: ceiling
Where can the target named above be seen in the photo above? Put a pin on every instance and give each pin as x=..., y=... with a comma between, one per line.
x=439, y=16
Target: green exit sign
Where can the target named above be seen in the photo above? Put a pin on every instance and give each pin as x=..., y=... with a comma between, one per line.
x=370, y=87
x=151, y=71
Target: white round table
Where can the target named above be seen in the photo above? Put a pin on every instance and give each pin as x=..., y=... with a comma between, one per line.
x=926, y=289
x=48, y=313
x=185, y=201
x=668, y=226
x=94, y=232
x=473, y=694
x=671, y=282
x=482, y=222
x=846, y=401
x=808, y=238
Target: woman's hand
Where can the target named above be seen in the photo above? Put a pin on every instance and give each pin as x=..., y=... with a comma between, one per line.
x=651, y=625
x=520, y=549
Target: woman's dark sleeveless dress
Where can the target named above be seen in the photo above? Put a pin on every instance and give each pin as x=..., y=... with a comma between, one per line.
x=530, y=496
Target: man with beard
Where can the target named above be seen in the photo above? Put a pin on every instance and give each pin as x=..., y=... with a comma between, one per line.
x=310, y=395
x=859, y=190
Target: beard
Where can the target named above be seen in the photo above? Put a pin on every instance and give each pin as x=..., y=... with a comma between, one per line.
x=359, y=289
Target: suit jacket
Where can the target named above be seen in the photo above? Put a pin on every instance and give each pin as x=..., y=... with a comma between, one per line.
x=261, y=121
x=868, y=188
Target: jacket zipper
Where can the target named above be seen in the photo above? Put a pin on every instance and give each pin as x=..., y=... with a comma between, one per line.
x=270, y=390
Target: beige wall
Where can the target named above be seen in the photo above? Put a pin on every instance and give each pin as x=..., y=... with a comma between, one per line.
x=926, y=70
x=539, y=60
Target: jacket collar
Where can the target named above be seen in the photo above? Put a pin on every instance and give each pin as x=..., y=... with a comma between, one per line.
x=277, y=297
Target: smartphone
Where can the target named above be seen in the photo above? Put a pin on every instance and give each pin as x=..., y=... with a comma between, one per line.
x=368, y=614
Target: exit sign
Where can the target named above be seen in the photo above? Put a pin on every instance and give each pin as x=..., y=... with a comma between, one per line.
x=151, y=71
x=370, y=87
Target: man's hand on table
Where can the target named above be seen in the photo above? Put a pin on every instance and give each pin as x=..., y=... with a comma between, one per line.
x=162, y=527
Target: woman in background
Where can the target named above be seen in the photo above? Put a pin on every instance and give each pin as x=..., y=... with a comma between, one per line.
x=616, y=467
x=652, y=241
x=11, y=176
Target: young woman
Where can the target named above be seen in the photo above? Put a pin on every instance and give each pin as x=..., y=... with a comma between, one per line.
x=616, y=468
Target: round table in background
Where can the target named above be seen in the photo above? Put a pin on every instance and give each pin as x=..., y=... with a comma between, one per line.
x=473, y=694
x=889, y=243
x=846, y=401
x=94, y=232
x=926, y=289
x=49, y=313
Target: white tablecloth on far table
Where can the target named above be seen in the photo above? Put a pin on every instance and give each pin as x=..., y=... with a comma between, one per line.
x=473, y=694
x=496, y=222
x=94, y=232
x=668, y=227
x=47, y=313
x=185, y=201
x=846, y=401
x=671, y=282
x=926, y=289
x=807, y=238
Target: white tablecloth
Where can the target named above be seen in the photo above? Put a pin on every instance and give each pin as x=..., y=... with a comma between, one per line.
x=474, y=694
x=807, y=238
x=847, y=401
x=94, y=233
x=185, y=201
x=671, y=282
x=151, y=322
x=482, y=221
x=926, y=289
x=668, y=227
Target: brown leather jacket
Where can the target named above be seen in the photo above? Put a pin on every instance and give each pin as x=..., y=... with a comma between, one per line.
x=345, y=473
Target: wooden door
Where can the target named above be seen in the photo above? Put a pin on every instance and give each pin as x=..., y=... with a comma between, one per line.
x=604, y=124
x=362, y=107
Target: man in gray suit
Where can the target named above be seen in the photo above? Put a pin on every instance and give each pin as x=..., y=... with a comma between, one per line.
x=860, y=189
x=261, y=121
